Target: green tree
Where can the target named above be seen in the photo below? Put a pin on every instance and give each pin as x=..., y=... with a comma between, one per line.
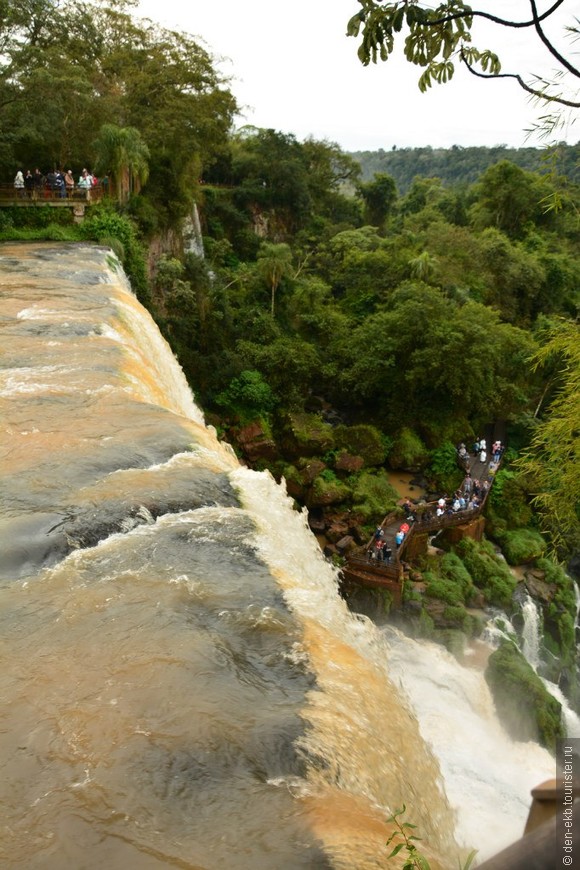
x=379, y=196
x=272, y=175
x=274, y=264
x=424, y=267
x=122, y=151
x=436, y=38
x=427, y=360
x=509, y=198
x=67, y=67
x=551, y=466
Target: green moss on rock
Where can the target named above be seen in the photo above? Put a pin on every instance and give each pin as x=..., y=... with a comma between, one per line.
x=524, y=706
x=453, y=570
x=408, y=451
x=307, y=435
x=364, y=441
x=373, y=495
x=325, y=492
x=521, y=545
x=487, y=570
x=442, y=589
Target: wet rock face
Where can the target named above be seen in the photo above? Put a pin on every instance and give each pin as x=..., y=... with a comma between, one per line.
x=538, y=587
x=574, y=566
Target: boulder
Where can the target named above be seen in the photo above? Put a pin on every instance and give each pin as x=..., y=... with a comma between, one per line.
x=323, y=493
x=345, y=545
x=295, y=489
x=256, y=443
x=317, y=524
x=310, y=469
x=348, y=463
x=330, y=551
x=306, y=435
x=525, y=707
x=358, y=533
x=336, y=531
x=537, y=586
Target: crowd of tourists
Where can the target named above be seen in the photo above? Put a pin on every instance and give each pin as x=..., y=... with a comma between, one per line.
x=479, y=451
x=57, y=183
x=469, y=496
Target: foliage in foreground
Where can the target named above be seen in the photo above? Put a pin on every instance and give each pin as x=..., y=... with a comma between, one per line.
x=414, y=860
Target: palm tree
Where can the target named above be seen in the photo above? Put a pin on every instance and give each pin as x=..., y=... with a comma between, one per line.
x=122, y=152
x=424, y=266
x=274, y=263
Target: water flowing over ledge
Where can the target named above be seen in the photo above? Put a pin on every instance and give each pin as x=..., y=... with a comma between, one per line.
x=182, y=684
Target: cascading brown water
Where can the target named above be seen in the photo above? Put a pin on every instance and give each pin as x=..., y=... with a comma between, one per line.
x=182, y=685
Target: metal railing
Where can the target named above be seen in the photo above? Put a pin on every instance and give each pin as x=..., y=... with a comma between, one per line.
x=9, y=195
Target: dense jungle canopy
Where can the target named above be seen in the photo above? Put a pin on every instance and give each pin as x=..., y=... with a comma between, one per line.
x=422, y=311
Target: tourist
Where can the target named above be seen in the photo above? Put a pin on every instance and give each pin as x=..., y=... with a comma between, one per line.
x=69, y=181
x=38, y=179
x=29, y=183
x=387, y=552
x=86, y=182
x=399, y=538
x=19, y=183
x=462, y=453
x=59, y=184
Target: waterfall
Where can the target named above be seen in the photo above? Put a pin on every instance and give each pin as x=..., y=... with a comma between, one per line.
x=182, y=684
x=192, y=237
x=488, y=776
x=531, y=632
x=500, y=628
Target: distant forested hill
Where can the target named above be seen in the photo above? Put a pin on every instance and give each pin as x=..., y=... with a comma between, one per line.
x=458, y=165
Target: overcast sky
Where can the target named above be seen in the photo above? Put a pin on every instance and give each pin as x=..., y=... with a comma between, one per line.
x=293, y=68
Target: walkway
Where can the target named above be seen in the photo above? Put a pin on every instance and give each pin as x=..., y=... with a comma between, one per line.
x=361, y=569
x=10, y=197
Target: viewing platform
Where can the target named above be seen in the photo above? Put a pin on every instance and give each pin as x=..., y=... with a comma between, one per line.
x=78, y=199
x=363, y=570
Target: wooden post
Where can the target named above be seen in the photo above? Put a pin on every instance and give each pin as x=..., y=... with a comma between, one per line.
x=78, y=212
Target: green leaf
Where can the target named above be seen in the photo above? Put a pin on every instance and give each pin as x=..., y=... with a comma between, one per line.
x=398, y=18
x=353, y=26
x=470, y=860
x=396, y=850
